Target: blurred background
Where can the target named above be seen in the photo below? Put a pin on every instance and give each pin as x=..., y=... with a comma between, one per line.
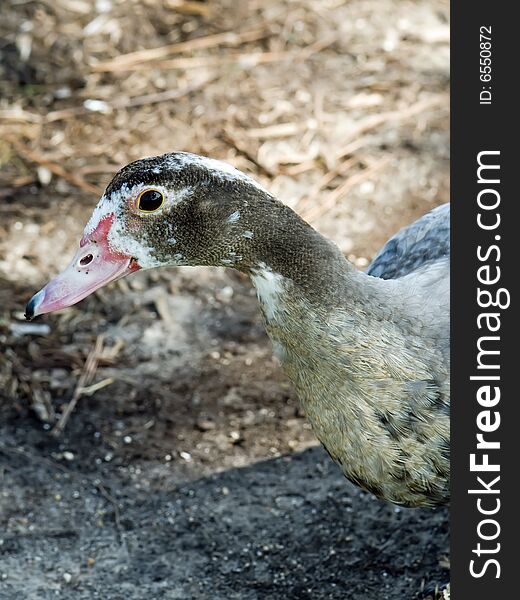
x=341, y=109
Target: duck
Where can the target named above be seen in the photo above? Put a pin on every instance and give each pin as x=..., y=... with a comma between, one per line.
x=367, y=352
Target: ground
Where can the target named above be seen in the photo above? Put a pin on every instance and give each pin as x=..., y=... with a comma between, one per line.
x=186, y=469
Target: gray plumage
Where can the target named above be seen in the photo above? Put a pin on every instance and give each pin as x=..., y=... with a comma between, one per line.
x=423, y=242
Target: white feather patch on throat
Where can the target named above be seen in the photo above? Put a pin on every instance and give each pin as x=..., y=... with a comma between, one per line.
x=270, y=289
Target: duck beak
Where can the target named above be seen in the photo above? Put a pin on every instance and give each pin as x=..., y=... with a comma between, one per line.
x=94, y=265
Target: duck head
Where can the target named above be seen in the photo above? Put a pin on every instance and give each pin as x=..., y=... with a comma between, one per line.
x=175, y=209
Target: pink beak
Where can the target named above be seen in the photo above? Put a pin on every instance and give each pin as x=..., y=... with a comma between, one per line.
x=94, y=265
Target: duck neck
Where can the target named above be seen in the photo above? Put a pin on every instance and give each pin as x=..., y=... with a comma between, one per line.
x=287, y=250
x=315, y=303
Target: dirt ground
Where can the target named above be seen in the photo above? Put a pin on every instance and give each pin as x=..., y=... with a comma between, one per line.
x=187, y=469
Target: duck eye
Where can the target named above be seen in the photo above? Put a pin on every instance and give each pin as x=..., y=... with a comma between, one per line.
x=150, y=201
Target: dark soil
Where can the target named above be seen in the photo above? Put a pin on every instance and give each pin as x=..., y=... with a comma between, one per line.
x=289, y=527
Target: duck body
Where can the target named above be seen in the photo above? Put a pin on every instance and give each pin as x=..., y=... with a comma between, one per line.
x=367, y=353
x=370, y=365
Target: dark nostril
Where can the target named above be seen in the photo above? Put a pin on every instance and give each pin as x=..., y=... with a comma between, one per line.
x=86, y=260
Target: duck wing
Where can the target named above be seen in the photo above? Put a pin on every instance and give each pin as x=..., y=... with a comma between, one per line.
x=425, y=241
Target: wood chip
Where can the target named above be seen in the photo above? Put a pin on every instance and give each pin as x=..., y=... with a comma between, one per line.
x=87, y=374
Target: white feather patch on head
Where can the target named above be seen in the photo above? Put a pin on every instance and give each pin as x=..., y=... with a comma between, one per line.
x=270, y=289
x=217, y=167
x=106, y=206
x=118, y=238
x=113, y=204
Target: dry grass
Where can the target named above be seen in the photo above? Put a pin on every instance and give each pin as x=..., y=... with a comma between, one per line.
x=284, y=90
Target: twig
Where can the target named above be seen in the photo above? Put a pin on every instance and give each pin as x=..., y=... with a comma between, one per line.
x=98, y=168
x=85, y=378
x=117, y=512
x=331, y=200
x=78, y=111
x=190, y=7
x=244, y=59
x=26, y=152
x=229, y=138
x=387, y=117
x=279, y=130
x=228, y=38
x=316, y=47
x=250, y=59
x=132, y=102
x=161, y=96
x=332, y=174
x=18, y=114
x=23, y=180
x=327, y=178
x=90, y=390
x=298, y=168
